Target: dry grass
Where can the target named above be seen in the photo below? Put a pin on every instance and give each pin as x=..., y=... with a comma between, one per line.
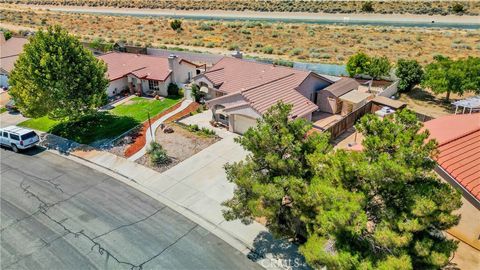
x=292, y=41
x=443, y=7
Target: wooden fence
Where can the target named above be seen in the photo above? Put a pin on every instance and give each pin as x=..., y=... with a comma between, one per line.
x=348, y=121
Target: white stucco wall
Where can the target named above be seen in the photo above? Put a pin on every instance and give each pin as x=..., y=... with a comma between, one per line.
x=182, y=70
x=117, y=86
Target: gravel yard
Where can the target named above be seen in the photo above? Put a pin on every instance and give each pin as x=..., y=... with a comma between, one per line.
x=180, y=145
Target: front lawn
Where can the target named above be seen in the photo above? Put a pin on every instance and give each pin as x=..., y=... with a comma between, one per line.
x=103, y=125
x=138, y=107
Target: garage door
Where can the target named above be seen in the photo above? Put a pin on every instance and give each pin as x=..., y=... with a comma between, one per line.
x=243, y=123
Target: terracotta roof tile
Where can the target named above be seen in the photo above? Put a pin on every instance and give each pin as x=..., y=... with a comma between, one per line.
x=140, y=65
x=459, y=148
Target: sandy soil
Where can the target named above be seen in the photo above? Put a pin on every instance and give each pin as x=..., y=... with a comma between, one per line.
x=425, y=102
x=180, y=145
x=269, y=15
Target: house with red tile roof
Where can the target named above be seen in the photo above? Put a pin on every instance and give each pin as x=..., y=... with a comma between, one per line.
x=9, y=52
x=240, y=91
x=458, y=138
x=146, y=74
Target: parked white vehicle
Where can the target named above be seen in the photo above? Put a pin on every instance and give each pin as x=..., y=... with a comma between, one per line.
x=18, y=138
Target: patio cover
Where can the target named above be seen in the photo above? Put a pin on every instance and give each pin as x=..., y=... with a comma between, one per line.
x=472, y=103
x=355, y=96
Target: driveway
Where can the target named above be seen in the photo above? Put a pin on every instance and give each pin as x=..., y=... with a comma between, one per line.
x=11, y=119
x=58, y=214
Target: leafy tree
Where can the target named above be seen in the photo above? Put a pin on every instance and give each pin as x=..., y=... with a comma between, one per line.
x=382, y=208
x=379, y=66
x=176, y=25
x=396, y=207
x=275, y=173
x=445, y=75
x=362, y=64
x=358, y=64
x=410, y=73
x=58, y=77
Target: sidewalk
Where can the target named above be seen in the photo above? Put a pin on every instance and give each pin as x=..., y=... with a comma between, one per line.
x=155, y=125
x=196, y=188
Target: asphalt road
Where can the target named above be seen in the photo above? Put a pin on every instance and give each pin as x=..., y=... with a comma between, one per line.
x=57, y=214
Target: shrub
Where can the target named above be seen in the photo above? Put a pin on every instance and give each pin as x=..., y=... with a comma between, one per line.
x=367, y=7
x=458, y=8
x=172, y=89
x=196, y=93
x=176, y=25
x=157, y=154
x=268, y=49
x=205, y=27
x=296, y=51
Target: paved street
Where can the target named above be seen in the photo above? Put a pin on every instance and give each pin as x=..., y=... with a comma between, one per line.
x=57, y=214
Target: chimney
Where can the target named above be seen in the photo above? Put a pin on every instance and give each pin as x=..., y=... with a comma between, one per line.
x=172, y=63
x=237, y=54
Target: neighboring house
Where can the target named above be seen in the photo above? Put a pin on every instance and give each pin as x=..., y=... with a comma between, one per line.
x=146, y=74
x=10, y=50
x=241, y=91
x=458, y=160
x=458, y=138
x=329, y=99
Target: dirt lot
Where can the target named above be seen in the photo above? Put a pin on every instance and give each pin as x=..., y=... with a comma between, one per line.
x=426, y=102
x=180, y=145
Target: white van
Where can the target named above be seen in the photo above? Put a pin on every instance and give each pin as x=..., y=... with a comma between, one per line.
x=18, y=138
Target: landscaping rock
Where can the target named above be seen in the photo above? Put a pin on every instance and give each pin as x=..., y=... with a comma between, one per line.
x=168, y=130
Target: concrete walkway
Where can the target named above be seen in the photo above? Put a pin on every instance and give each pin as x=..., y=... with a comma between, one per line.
x=154, y=127
x=196, y=188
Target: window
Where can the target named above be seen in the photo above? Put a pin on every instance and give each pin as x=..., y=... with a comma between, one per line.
x=29, y=135
x=189, y=76
x=153, y=85
x=15, y=137
x=5, y=134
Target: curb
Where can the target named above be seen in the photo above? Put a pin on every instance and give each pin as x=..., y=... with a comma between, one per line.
x=233, y=241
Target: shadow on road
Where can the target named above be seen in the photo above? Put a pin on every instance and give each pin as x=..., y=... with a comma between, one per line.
x=283, y=253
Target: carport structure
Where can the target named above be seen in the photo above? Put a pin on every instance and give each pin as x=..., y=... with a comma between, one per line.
x=472, y=104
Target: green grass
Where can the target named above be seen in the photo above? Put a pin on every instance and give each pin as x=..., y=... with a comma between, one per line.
x=103, y=125
x=141, y=106
x=3, y=109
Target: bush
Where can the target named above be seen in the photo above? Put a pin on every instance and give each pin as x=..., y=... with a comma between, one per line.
x=205, y=27
x=458, y=8
x=176, y=25
x=268, y=49
x=157, y=154
x=172, y=89
x=196, y=93
x=367, y=7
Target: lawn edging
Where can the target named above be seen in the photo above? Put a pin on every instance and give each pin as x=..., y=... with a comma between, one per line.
x=140, y=140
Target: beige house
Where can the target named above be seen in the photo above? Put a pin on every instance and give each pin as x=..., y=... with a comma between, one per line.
x=240, y=91
x=146, y=74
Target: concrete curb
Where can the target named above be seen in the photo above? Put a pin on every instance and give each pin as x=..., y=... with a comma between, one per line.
x=233, y=241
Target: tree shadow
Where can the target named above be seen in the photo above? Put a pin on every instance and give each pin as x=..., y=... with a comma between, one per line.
x=428, y=97
x=80, y=134
x=275, y=253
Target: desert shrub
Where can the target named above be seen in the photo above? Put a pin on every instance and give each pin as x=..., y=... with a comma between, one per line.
x=207, y=132
x=367, y=7
x=157, y=154
x=176, y=25
x=193, y=128
x=296, y=51
x=205, y=27
x=172, y=89
x=210, y=45
x=267, y=49
x=458, y=8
